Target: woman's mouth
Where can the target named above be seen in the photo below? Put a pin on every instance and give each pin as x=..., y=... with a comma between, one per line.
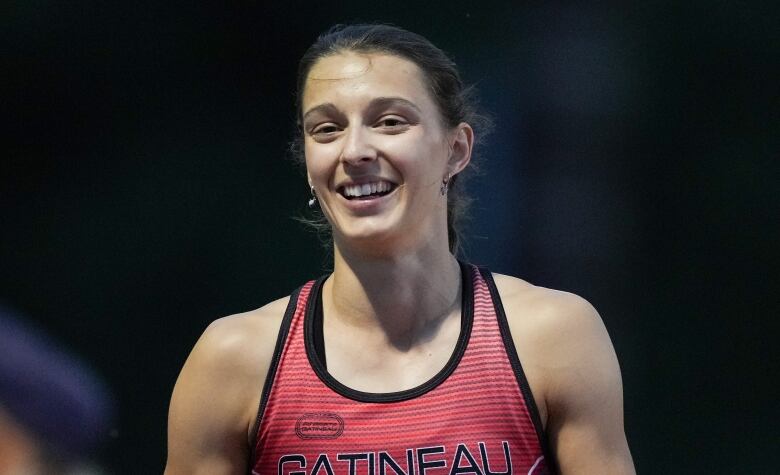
x=367, y=191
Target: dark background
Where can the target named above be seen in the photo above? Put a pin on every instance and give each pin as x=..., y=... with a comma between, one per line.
x=145, y=191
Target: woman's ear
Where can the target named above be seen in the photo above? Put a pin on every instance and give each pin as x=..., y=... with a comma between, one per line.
x=461, y=146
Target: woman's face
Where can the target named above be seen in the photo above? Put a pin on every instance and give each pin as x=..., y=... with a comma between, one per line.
x=376, y=150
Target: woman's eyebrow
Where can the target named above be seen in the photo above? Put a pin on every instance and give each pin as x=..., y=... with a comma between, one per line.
x=376, y=103
x=380, y=102
x=326, y=107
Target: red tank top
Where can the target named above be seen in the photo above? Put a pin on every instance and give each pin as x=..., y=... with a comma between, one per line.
x=476, y=416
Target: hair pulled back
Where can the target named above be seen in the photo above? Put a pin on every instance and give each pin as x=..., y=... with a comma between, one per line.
x=455, y=102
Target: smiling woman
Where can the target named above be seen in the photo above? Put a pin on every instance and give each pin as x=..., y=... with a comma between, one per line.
x=404, y=359
x=369, y=121
x=455, y=102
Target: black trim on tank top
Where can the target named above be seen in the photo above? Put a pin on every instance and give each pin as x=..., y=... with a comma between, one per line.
x=318, y=335
x=315, y=348
x=514, y=359
x=284, y=329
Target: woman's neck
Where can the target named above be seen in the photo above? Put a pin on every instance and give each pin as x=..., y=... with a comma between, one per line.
x=399, y=295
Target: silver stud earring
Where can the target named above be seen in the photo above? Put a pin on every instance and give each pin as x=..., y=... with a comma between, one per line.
x=313, y=199
x=445, y=183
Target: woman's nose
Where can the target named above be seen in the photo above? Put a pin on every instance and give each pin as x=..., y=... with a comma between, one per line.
x=358, y=147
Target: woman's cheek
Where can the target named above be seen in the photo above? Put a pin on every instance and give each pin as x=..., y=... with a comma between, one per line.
x=319, y=160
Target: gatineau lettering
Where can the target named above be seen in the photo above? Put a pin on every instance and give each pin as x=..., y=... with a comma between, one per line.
x=418, y=462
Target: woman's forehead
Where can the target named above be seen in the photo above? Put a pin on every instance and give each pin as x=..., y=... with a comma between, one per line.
x=354, y=75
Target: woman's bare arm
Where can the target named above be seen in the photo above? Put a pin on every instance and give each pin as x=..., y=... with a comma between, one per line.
x=217, y=394
x=572, y=369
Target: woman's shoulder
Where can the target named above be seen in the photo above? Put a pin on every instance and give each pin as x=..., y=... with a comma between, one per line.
x=230, y=361
x=225, y=370
x=551, y=327
x=563, y=345
x=234, y=351
x=541, y=308
x=572, y=370
x=247, y=337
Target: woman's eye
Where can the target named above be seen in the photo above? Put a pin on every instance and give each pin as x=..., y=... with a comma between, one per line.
x=392, y=122
x=324, y=129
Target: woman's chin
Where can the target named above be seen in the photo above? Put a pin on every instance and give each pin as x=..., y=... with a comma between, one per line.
x=360, y=235
x=371, y=239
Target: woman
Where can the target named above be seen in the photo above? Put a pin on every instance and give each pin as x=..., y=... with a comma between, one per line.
x=403, y=360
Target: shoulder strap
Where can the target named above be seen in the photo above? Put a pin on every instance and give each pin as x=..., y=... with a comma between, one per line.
x=514, y=359
x=284, y=329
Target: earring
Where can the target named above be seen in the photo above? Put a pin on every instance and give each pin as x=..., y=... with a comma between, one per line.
x=445, y=183
x=313, y=199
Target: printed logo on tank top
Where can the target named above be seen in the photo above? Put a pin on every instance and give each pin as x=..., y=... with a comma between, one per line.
x=418, y=461
x=319, y=425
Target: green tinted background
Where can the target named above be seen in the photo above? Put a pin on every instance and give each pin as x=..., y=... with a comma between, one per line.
x=146, y=191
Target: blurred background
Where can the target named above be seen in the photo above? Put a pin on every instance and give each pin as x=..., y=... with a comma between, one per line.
x=145, y=191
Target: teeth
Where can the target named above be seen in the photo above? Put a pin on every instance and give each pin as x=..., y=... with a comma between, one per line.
x=366, y=189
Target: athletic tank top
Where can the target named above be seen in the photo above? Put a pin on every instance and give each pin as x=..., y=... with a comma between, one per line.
x=476, y=416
